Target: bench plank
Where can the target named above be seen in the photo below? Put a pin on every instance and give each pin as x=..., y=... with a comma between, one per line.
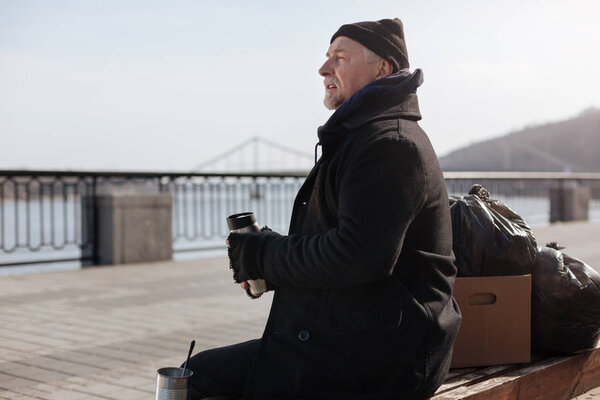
x=470, y=376
x=557, y=378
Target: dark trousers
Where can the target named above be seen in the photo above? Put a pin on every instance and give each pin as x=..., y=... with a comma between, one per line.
x=222, y=371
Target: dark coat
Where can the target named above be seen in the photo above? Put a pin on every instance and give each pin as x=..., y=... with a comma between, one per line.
x=363, y=305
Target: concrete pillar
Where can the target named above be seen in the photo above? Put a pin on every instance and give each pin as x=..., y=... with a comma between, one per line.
x=134, y=228
x=569, y=203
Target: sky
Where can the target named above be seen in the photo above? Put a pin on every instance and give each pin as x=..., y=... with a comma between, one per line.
x=165, y=85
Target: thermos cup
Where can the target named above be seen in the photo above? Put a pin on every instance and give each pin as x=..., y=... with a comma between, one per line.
x=246, y=223
x=173, y=384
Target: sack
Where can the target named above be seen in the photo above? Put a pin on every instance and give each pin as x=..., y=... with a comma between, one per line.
x=488, y=237
x=565, y=304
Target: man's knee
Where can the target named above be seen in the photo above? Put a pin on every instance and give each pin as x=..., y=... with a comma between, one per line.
x=224, y=370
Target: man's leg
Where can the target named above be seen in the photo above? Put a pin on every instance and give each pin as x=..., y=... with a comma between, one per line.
x=222, y=371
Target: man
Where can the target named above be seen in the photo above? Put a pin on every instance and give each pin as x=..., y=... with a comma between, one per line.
x=363, y=304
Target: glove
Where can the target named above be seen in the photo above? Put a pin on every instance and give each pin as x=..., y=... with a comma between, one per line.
x=245, y=252
x=241, y=271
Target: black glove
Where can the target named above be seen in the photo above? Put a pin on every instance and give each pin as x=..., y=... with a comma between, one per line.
x=241, y=271
x=245, y=252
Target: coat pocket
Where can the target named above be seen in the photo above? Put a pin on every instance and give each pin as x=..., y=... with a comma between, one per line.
x=371, y=309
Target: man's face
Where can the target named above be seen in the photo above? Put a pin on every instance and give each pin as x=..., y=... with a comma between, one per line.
x=346, y=70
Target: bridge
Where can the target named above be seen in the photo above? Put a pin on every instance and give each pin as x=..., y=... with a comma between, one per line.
x=258, y=154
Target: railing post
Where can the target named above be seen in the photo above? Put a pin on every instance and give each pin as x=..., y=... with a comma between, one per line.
x=134, y=228
x=89, y=226
x=569, y=202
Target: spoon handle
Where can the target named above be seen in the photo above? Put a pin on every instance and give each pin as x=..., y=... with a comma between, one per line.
x=188, y=357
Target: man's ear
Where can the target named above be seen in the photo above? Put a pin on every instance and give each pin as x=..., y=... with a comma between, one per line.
x=385, y=69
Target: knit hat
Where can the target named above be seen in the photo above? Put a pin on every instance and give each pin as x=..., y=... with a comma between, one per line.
x=384, y=38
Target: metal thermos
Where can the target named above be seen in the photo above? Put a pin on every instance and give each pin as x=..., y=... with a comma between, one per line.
x=173, y=384
x=246, y=223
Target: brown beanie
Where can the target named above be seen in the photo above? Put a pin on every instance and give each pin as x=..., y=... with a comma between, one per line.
x=384, y=38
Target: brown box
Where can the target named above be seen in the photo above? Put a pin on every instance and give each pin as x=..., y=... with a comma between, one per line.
x=496, y=326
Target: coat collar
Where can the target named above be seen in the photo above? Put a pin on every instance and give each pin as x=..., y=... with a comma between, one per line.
x=390, y=97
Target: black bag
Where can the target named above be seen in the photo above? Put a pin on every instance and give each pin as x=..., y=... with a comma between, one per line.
x=565, y=304
x=489, y=238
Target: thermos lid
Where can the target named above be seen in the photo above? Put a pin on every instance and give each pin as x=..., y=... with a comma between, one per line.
x=241, y=220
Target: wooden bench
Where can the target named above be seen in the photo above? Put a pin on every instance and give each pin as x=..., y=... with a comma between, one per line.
x=556, y=378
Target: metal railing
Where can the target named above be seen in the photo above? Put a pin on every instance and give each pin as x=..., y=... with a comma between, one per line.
x=50, y=216
x=202, y=201
x=527, y=193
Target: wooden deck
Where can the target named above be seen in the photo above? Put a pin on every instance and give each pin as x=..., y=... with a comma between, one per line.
x=101, y=333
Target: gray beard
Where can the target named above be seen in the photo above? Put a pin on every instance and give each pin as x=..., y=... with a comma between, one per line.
x=333, y=103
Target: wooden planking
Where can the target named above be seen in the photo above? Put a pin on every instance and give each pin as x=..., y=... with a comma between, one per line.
x=470, y=376
x=558, y=378
x=101, y=333
x=590, y=373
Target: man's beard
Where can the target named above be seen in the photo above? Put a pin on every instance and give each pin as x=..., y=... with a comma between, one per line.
x=332, y=103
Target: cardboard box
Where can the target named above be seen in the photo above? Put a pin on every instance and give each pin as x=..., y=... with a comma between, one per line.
x=496, y=325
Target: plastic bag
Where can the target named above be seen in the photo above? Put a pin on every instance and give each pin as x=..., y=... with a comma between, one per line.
x=565, y=304
x=489, y=238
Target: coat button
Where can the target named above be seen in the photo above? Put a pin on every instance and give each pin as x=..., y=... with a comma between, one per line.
x=303, y=335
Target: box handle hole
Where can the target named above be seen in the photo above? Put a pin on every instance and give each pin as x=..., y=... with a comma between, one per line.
x=480, y=299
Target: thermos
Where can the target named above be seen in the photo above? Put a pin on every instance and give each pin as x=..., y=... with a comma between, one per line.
x=246, y=223
x=173, y=384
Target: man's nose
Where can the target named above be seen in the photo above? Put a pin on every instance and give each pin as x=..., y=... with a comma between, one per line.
x=325, y=69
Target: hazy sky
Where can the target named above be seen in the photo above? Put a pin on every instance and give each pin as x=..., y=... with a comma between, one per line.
x=164, y=85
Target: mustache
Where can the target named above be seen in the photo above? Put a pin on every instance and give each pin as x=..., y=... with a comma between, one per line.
x=332, y=81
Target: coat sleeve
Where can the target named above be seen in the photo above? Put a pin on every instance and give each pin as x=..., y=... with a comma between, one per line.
x=381, y=189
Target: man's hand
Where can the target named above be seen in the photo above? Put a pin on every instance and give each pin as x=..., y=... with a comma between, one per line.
x=242, y=256
x=245, y=286
x=240, y=245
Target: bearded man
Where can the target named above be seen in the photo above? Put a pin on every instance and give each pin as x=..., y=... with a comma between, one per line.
x=363, y=305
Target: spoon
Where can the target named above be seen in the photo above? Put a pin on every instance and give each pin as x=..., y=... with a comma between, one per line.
x=188, y=357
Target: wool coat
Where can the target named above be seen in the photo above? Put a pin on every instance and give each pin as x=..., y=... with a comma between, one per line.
x=363, y=305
